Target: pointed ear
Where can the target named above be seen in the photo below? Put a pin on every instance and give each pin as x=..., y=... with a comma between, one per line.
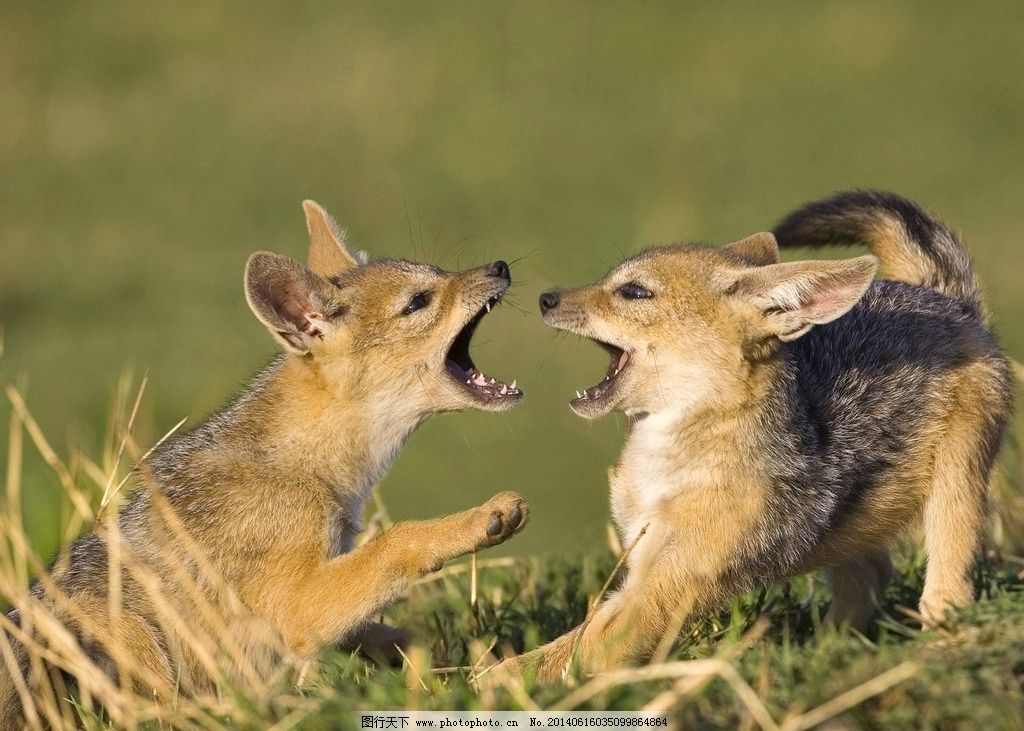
x=328, y=254
x=798, y=295
x=288, y=299
x=760, y=249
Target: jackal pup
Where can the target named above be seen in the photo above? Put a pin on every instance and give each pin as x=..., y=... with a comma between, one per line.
x=257, y=508
x=787, y=417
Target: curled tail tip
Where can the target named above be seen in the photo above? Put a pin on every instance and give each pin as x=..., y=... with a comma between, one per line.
x=843, y=218
x=913, y=246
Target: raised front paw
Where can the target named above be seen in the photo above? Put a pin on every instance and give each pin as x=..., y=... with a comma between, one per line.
x=503, y=515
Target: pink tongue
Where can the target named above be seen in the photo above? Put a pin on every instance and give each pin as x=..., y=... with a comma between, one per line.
x=622, y=360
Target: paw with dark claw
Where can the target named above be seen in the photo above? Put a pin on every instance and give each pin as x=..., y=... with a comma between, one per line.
x=506, y=514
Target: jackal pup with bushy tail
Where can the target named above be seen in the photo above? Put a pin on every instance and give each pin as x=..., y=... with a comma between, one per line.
x=244, y=531
x=787, y=417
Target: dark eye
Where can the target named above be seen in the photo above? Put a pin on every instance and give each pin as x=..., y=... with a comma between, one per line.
x=418, y=302
x=633, y=291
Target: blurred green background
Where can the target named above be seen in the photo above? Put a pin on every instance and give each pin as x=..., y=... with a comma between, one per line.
x=147, y=148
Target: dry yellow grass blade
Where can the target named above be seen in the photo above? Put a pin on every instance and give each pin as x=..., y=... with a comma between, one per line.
x=43, y=635
x=851, y=698
x=206, y=613
x=63, y=651
x=701, y=669
x=465, y=566
x=689, y=686
x=77, y=497
x=125, y=705
x=138, y=463
x=42, y=615
x=472, y=579
x=14, y=563
x=499, y=676
x=10, y=663
x=595, y=601
x=412, y=668
x=108, y=488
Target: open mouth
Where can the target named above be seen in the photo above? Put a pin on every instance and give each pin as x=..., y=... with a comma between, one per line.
x=461, y=367
x=620, y=358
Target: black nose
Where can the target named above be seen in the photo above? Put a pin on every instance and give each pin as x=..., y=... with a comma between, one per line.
x=499, y=269
x=549, y=301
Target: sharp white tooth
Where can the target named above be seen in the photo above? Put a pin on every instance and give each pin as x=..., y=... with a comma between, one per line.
x=513, y=386
x=488, y=305
x=492, y=381
x=504, y=389
x=578, y=394
x=469, y=381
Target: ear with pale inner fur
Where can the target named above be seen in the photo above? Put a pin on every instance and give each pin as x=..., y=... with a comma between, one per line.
x=798, y=295
x=288, y=299
x=759, y=249
x=328, y=254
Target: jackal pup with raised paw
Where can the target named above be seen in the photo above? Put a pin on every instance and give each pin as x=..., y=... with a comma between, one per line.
x=247, y=523
x=786, y=417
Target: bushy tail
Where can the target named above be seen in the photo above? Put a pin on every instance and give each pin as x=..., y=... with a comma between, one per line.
x=912, y=246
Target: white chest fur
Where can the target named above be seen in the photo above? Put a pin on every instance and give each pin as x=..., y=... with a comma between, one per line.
x=654, y=469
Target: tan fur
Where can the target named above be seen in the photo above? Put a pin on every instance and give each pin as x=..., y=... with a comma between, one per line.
x=945, y=486
x=953, y=514
x=903, y=263
x=239, y=550
x=698, y=339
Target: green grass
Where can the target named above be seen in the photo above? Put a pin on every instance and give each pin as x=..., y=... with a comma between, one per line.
x=966, y=675
x=776, y=664
x=969, y=675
